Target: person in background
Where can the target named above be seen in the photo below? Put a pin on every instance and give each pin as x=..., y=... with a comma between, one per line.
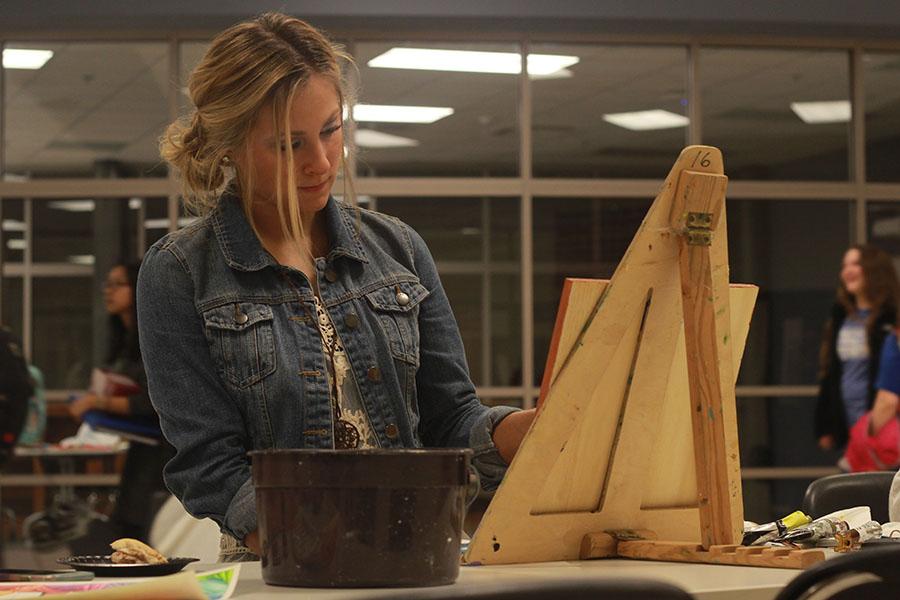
x=36, y=418
x=16, y=387
x=284, y=317
x=142, y=478
x=862, y=317
x=875, y=439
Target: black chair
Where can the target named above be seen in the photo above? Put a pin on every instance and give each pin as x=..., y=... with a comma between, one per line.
x=568, y=589
x=867, y=573
x=847, y=490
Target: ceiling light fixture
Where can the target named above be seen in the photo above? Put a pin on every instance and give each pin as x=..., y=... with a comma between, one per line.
x=561, y=74
x=86, y=205
x=470, y=61
x=164, y=223
x=389, y=113
x=813, y=113
x=369, y=138
x=13, y=225
x=20, y=58
x=81, y=259
x=647, y=120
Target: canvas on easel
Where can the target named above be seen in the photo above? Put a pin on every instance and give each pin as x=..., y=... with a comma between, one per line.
x=636, y=437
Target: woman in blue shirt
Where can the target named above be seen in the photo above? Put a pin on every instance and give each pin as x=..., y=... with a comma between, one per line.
x=863, y=314
x=285, y=318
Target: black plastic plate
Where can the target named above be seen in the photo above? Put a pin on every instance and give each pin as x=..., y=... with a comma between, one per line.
x=102, y=566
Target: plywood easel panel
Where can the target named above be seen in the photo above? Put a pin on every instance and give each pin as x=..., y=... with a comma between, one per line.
x=665, y=487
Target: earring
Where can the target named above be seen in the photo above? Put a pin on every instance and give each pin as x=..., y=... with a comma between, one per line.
x=226, y=161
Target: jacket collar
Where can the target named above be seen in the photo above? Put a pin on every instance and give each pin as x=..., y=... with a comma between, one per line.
x=244, y=252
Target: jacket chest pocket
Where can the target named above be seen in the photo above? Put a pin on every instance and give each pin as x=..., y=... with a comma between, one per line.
x=397, y=309
x=241, y=341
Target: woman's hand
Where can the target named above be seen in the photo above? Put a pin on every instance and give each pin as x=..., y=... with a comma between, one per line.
x=884, y=409
x=509, y=432
x=90, y=401
x=82, y=404
x=826, y=442
x=252, y=542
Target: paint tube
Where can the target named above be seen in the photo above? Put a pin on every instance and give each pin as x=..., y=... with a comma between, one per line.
x=761, y=534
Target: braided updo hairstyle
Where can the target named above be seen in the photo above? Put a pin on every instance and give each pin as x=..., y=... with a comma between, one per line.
x=249, y=64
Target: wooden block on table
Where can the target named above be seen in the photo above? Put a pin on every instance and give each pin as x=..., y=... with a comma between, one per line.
x=654, y=550
x=598, y=545
x=807, y=558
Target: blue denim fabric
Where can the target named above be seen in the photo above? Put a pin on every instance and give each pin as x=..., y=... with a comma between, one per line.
x=234, y=361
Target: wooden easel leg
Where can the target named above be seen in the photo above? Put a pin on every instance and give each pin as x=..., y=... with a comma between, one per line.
x=702, y=195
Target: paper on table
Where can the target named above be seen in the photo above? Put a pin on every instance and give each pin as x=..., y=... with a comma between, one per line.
x=187, y=585
x=854, y=517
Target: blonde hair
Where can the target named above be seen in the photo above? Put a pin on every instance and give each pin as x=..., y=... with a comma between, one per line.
x=248, y=65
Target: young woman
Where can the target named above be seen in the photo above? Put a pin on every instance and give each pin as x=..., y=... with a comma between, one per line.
x=284, y=317
x=863, y=314
x=142, y=474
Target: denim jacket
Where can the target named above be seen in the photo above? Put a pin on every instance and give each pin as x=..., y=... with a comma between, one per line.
x=234, y=359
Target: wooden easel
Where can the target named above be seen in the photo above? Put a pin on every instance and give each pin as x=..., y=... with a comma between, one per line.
x=634, y=451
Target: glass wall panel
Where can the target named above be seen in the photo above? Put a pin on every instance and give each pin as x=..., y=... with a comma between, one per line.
x=64, y=343
x=881, y=80
x=12, y=234
x=883, y=227
x=792, y=250
x=156, y=220
x=94, y=109
x=64, y=229
x=793, y=445
x=777, y=114
x=12, y=304
x=620, y=111
x=479, y=139
x=85, y=231
x=475, y=244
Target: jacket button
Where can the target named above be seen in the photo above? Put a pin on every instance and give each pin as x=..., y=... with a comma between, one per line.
x=241, y=318
x=330, y=275
x=374, y=374
x=391, y=431
x=351, y=321
x=402, y=298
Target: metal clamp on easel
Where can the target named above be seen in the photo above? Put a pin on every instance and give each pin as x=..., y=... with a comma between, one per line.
x=699, y=229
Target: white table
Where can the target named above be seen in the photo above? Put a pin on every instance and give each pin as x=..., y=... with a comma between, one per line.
x=66, y=457
x=705, y=582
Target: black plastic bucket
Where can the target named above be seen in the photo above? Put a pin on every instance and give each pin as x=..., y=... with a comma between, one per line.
x=360, y=518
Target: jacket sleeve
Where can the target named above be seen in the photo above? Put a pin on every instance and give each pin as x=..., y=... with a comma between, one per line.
x=210, y=472
x=451, y=414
